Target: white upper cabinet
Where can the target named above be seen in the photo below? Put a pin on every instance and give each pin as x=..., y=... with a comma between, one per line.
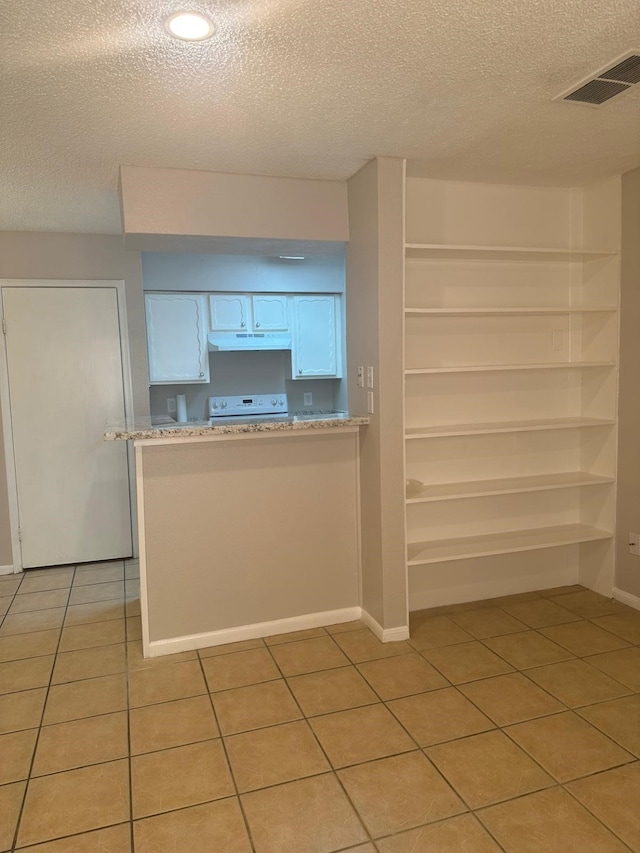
x=177, y=338
x=243, y=312
x=316, y=350
x=230, y=312
x=270, y=312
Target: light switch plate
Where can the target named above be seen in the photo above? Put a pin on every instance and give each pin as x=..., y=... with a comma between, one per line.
x=308, y=398
x=171, y=405
x=361, y=377
x=370, y=376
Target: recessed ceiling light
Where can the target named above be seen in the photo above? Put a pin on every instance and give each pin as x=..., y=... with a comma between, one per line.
x=190, y=26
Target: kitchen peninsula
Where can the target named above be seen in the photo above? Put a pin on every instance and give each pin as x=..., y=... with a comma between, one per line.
x=246, y=529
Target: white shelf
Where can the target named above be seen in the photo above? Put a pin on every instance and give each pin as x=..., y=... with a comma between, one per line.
x=507, y=486
x=495, y=312
x=478, y=368
x=492, y=428
x=502, y=253
x=443, y=550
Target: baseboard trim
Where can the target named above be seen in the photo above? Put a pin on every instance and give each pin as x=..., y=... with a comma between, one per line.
x=385, y=635
x=7, y=570
x=626, y=598
x=188, y=643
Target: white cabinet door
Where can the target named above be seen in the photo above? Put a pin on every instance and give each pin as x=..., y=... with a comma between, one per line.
x=315, y=345
x=65, y=375
x=230, y=312
x=176, y=338
x=270, y=313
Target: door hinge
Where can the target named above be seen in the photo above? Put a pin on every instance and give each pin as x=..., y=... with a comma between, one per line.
x=19, y=534
x=4, y=326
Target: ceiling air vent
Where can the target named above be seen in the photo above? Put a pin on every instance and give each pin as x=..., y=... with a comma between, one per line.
x=616, y=77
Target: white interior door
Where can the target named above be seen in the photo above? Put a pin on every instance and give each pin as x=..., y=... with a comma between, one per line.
x=65, y=382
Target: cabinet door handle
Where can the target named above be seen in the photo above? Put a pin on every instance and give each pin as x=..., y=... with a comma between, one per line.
x=299, y=370
x=257, y=325
x=202, y=374
x=242, y=325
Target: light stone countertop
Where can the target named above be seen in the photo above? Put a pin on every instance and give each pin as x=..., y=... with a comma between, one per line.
x=144, y=429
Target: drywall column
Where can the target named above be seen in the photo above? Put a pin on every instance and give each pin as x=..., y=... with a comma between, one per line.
x=375, y=269
x=627, y=578
x=32, y=255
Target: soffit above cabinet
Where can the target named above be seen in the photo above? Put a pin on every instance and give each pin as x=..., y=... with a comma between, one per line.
x=231, y=212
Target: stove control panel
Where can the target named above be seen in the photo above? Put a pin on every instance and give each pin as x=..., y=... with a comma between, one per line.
x=241, y=406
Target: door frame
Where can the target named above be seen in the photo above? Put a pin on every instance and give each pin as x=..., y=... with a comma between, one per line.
x=5, y=396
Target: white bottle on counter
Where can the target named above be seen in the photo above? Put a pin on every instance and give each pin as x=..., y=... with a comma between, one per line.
x=181, y=408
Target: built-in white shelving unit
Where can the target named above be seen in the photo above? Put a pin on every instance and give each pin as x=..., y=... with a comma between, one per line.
x=441, y=550
x=511, y=346
x=504, y=426
x=501, y=253
x=507, y=486
x=475, y=368
x=479, y=312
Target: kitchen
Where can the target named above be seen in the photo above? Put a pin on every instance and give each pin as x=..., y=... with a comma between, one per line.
x=490, y=282
x=353, y=232
x=241, y=492
x=310, y=219
x=236, y=297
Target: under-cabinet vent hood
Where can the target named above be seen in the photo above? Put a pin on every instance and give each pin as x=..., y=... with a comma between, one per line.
x=233, y=341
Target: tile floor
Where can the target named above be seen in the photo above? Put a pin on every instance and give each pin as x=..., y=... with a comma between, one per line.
x=505, y=725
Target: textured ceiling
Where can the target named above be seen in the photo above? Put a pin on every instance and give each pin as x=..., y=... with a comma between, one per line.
x=309, y=88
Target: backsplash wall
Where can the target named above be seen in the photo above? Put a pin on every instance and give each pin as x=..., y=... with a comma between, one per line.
x=261, y=372
x=192, y=272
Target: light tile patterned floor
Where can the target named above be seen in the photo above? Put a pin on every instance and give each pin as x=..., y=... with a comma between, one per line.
x=507, y=725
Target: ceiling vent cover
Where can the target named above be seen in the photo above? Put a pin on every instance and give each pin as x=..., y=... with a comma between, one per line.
x=616, y=77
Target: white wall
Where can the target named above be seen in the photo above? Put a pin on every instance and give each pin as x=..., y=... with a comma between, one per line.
x=198, y=272
x=33, y=255
x=249, y=530
x=628, y=505
x=249, y=373
x=212, y=205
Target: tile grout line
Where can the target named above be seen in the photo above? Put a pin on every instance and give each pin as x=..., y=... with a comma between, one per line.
x=558, y=783
x=332, y=769
x=332, y=713
x=566, y=708
x=40, y=727
x=418, y=749
x=574, y=657
x=306, y=718
x=226, y=755
x=129, y=761
x=586, y=807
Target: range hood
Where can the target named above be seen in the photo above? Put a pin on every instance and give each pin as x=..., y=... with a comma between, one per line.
x=234, y=341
